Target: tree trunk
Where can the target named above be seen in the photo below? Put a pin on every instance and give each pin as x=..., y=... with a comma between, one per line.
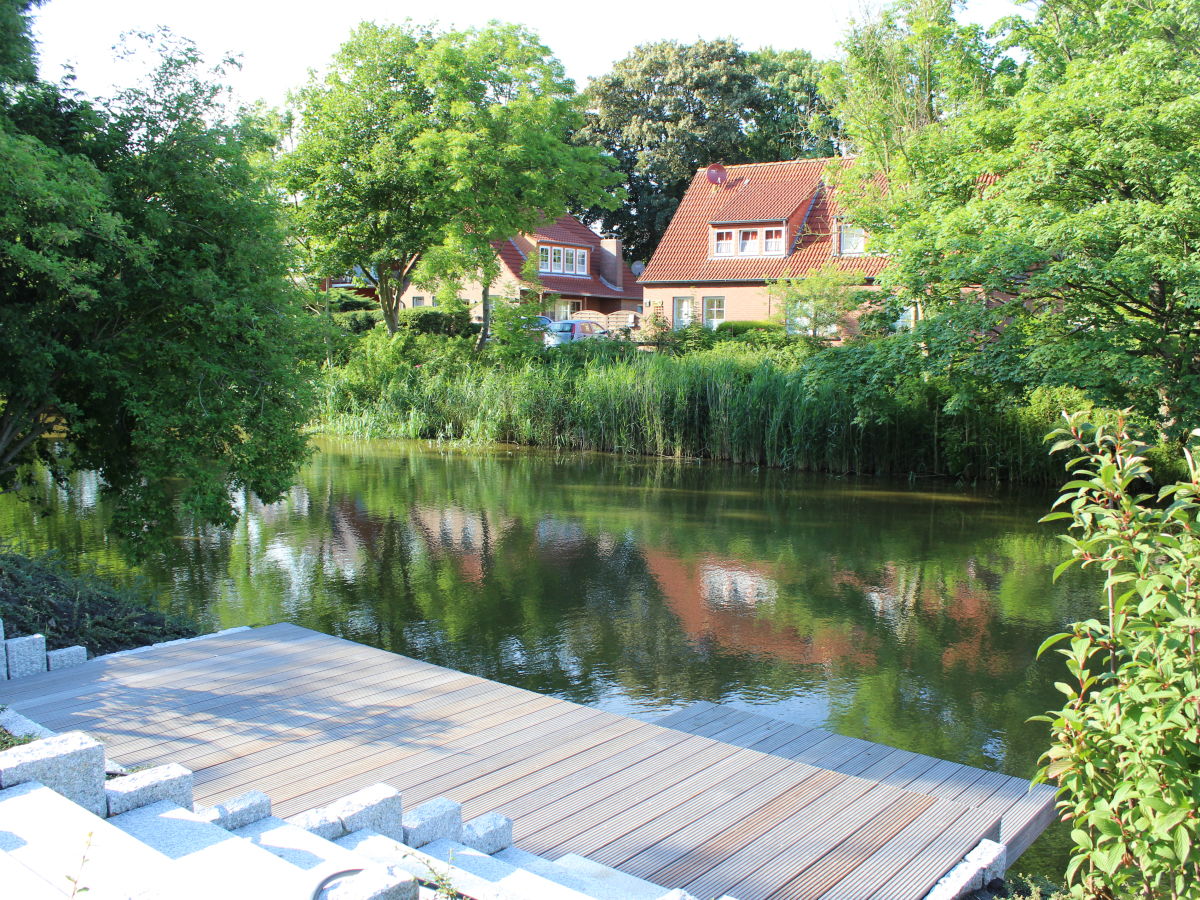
x=389, y=300
x=487, y=318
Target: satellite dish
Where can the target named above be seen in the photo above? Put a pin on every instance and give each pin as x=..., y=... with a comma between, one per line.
x=638, y=268
x=716, y=174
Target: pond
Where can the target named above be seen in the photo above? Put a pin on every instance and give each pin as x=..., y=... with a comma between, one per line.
x=902, y=613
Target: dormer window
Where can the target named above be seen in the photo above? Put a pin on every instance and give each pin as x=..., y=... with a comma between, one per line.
x=852, y=240
x=563, y=260
x=773, y=240
x=748, y=242
x=723, y=243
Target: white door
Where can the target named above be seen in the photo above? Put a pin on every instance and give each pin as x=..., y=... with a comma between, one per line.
x=683, y=312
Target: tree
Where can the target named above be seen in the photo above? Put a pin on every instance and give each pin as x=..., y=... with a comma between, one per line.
x=816, y=303
x=417, y=150
x=669, y=108
x=146, y=317
x=906, y=68
x=1076, y=200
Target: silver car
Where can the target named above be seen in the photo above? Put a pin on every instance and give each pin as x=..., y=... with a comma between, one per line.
x=569, y=330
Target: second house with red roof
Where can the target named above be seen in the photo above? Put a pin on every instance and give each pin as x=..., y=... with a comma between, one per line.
x=583, y=270
x=729, y=240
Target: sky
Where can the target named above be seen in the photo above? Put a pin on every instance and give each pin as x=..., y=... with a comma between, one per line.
x=279, y=42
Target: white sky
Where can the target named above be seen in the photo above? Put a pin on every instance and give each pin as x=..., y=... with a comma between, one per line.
x=278, y=42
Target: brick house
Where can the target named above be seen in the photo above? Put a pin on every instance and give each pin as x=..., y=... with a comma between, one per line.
x=726, y=241
x=585, y=270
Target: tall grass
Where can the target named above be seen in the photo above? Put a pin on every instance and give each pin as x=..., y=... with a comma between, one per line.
x=709, y=404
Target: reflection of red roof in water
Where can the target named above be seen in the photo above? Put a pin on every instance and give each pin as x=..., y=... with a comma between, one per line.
x=739, y=628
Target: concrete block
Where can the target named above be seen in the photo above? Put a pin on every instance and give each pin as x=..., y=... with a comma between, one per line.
x=15, y=723
x=957, y=883
x=66, y=657
x=489, y=833
x=26, y=655
x=991, y=858
x=238, y=812
x=320, y=822
x=170, y=782
x=376, y=808
x=438, y=819
x=71, y=764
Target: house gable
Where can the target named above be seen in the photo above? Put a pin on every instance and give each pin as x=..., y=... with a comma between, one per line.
x=791, y=196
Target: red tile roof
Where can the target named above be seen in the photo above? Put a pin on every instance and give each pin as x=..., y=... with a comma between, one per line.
x=570, y=231
x=755, y=193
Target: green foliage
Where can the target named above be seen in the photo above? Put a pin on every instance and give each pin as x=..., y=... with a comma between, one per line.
x=430, y=320
x=38, y=595
x=739, y=328
x=667, y=109
x=1126, y=744
x=420, y=149
x=816, y=304
x=870, y=407
x=9, y=740
x=146, y=304
x=1067, y=193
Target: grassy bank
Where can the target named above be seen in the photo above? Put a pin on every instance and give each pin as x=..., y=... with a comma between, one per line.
x=842, y=410
x=38, y=595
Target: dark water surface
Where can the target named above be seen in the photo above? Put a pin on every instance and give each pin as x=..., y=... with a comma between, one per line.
x=905, y=614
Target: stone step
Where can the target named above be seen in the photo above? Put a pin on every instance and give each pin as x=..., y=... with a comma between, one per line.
x=514, y=881
x=23, y=883
x=390, y=852
x=73, y=849
x=208, y=861
x=306, y=850
x=607, y=883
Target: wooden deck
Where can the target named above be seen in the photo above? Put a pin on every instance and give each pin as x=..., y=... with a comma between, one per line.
x=1024, y=810
x=308, y=718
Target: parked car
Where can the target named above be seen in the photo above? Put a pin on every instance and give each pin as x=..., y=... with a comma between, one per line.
x=536, y=323
x=569, y=330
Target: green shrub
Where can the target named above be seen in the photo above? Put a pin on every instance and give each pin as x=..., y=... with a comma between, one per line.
x=41, y=596
x=1126, y=745
x=430, y=320
x=736, y=329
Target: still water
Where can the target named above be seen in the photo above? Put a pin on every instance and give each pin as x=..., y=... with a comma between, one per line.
x=900, y=613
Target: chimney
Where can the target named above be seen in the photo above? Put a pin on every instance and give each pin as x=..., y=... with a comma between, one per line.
x=612, y=266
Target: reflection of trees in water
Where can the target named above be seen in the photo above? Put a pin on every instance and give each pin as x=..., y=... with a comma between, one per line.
x=914, y=614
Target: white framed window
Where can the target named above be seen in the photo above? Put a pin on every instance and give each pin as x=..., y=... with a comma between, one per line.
x=556, y=256
x=773, y=240
x=723, y=243
x=852, y=240
x=748, y=242
x=714, y=311
x=569, y=260
x=681, y=307
x=418, y=301
x=581, y=262
x=543, y=259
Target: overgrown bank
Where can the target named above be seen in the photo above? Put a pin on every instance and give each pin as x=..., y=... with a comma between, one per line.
x=38, y=595
x=867, y=408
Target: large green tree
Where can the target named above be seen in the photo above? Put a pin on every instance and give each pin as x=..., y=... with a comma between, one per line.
x=417, y=150
x=1074, y=206
x=669, y=108
x=145, y=313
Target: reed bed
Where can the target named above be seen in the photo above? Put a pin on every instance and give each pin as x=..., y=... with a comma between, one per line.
x=711, y=405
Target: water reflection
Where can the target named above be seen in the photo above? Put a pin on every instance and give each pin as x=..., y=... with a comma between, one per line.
x=907, y=616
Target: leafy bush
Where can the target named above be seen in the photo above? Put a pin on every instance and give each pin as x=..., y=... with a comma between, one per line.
x=430, y=320
x=1126, y=745
x=736, y=329
x=40, y=596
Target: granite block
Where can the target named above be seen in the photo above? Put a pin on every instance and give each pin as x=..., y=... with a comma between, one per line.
x=71, y=764
x=66, y=657
x=238, y=812
x=26, y=655
x=489, y=833
x=170, y=782
x=435, y=820
x=376, y=808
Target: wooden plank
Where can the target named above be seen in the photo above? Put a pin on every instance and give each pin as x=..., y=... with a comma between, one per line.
x=939, y=856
